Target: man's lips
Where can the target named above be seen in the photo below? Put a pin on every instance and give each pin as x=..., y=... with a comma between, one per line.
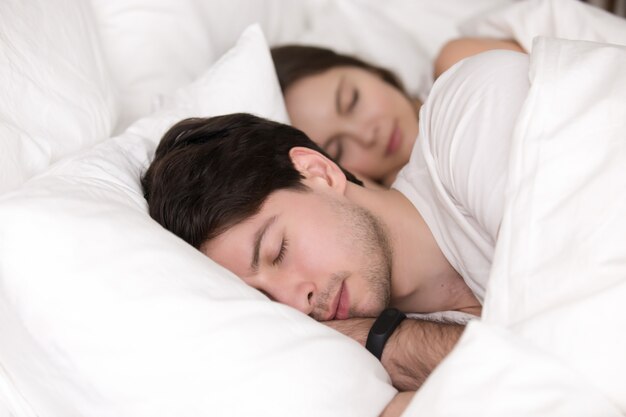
x=395, y=140
x=343, y=308
x=341, y=304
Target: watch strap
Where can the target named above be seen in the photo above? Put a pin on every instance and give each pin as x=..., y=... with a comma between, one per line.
x=382, y=330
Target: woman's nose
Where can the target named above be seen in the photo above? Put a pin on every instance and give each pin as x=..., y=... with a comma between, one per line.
x=364, y=135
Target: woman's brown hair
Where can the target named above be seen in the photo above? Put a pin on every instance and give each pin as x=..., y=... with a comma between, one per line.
x=294, y=62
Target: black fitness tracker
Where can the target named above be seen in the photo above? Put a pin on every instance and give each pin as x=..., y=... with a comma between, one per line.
x=382, y=329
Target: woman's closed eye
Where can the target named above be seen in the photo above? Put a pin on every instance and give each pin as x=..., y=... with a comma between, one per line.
x=354, y=100
x=349, y=100
x=334, y=148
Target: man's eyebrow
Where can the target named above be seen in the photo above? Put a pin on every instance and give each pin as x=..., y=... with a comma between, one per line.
x=338, y=94
x=258, y=239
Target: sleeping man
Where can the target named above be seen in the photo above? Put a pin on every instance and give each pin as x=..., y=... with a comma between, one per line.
x=264, y=201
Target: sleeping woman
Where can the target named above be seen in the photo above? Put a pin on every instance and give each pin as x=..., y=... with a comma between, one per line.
x=359, y=113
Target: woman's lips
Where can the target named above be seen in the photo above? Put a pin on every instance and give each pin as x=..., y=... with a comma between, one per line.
x=395, y=140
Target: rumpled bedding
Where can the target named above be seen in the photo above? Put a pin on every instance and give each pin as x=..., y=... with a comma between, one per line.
x=551, y=340
x=565, y=19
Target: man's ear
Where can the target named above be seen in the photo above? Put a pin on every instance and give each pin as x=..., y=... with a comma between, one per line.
x=317, y=169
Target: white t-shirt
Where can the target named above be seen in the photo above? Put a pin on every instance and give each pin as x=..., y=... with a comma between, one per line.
x=458, y=167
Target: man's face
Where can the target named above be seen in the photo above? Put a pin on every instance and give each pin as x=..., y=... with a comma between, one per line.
x=312, y=250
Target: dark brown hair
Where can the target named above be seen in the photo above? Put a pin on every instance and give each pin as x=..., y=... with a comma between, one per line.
x=294, y=62
x=210, y=174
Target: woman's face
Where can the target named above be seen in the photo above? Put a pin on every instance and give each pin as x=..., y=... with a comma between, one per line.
x=366, y=124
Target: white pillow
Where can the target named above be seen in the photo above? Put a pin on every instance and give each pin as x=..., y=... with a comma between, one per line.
x=152, y=47
x=361, y=29
x=433, y=22
x=105, y=313
x=281, y=20
x=56, y=96
x=404, y=36
x=565, y=19
x=156, y=46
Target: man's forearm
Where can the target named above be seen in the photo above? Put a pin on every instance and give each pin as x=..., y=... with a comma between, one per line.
x=412, y=352
x=398, y=404
x=416, y=348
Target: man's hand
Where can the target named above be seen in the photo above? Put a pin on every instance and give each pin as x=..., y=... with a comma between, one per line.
x=412, y=352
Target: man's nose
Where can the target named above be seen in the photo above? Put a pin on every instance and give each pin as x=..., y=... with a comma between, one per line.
x=294, y=292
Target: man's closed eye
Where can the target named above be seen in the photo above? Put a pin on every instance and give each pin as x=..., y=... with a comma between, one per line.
x=281, y=252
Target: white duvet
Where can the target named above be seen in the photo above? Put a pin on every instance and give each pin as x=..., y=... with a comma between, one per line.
x=551, y=341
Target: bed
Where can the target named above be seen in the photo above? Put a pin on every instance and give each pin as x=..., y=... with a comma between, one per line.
x=104, y=313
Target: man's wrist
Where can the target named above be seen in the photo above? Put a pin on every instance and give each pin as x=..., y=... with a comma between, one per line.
x=382, y=329
x=415, y=348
